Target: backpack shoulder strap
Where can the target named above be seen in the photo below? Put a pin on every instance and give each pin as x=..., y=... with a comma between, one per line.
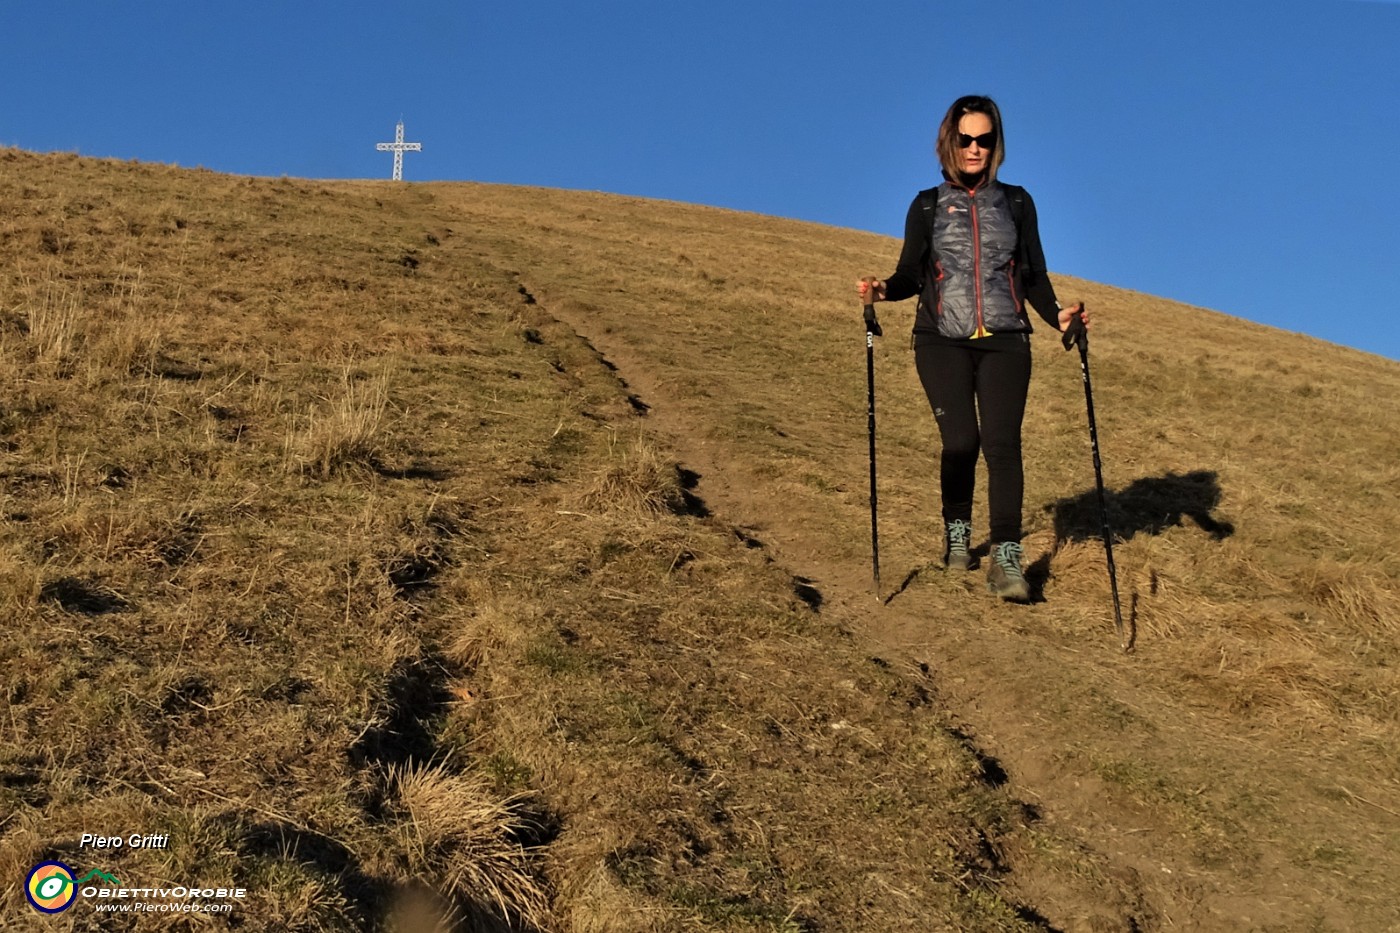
x=929, y=199
x=1016, y=195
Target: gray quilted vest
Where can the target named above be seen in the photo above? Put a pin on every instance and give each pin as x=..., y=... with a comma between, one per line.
x=972, y=283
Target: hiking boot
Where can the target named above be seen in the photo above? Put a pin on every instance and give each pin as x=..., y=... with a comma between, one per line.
x=1004, y=576
x=957, y=537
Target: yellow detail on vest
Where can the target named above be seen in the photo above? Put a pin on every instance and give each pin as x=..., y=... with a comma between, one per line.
x=981, y=332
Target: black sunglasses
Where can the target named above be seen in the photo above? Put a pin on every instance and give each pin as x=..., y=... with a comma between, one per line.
x=986, y=140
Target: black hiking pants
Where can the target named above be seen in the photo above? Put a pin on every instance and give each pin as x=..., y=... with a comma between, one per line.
x=978, y=396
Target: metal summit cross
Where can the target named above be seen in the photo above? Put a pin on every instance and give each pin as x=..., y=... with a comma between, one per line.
x=398, y=147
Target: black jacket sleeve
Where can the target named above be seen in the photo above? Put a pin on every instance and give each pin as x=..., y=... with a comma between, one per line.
x=1039, y=291
x=908, y=277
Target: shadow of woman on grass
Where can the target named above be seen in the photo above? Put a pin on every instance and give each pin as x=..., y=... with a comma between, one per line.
x=1149, y=505
x=1146, y=506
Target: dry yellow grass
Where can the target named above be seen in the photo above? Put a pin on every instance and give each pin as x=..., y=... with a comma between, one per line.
x=454, y=827
x=636, y=477
x=325, y=527
x=341, y=431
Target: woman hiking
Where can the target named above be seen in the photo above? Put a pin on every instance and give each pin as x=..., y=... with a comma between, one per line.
x=972, y=254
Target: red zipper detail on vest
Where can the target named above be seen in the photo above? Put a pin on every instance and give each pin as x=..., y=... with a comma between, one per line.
x=938, y=289
x=1011, y=281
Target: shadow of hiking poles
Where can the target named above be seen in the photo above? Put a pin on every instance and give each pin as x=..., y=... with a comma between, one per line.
x=1146, y=506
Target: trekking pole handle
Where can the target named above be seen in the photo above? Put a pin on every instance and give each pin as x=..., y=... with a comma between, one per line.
x=1076, y=333
x=872, y=323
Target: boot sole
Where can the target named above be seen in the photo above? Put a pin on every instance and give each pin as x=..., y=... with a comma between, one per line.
x=1011, y=592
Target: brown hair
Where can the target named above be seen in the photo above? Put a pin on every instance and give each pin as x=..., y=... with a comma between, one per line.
x=947, y=146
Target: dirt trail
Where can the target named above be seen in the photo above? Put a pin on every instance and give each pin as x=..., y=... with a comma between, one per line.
x=990, y=677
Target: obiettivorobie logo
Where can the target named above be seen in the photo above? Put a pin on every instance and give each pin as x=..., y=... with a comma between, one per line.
x=51, y=887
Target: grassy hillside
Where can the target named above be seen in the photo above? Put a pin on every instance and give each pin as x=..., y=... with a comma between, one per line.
x=470, y=557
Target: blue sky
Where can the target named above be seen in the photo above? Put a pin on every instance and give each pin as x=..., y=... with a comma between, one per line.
x=1236, y=154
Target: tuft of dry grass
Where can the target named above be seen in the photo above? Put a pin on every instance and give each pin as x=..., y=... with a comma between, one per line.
x=455, y=830
x=637, y=477
x=54, y=321
x=342, y=431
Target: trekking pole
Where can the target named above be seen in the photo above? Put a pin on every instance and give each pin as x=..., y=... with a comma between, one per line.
x=872, y=330
x=1077, y=334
